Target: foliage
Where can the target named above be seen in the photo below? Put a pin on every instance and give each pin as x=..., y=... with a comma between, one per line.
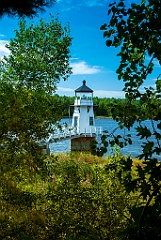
x=73, y=200
x=136, y=31
x=39, y=57
x=23, y=8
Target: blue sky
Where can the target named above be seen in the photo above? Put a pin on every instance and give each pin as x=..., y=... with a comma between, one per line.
x=90, y=58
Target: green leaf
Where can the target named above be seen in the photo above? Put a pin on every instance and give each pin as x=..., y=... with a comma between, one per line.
x=144, y=132
x=136, y=212
x=107, y=34
x=121, y=4
x=103, y=27
x=147, y=147
x=108, y=43
x=159, y=125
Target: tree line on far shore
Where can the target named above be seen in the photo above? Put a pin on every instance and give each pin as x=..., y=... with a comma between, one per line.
x=103, y=107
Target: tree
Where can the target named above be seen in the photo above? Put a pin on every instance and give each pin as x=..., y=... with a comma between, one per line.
x=38, y=59
x=39, y=56
x=136, y=31
x=23, y=8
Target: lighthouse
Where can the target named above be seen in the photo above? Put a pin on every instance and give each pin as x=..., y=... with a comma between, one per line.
x=83, y=119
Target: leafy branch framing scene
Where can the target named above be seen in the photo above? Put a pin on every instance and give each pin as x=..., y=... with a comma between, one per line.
x=137, y=33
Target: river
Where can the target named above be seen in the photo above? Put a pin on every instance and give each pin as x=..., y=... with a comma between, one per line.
x=109, y=125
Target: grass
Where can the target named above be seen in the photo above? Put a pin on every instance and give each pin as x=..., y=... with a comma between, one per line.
x=62, y=194
x=81, y=157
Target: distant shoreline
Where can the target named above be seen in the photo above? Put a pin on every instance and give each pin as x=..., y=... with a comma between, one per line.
x=95, y=117
x=103, y=117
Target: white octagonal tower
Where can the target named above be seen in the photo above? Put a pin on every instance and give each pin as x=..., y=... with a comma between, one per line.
x=83, y=119
x=83, y=115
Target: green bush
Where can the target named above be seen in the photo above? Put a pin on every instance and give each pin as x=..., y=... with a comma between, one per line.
x=66, y=199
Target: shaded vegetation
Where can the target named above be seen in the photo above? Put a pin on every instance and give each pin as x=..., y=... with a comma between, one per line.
x=136, y=32
x=23, y=8
x=65, y=199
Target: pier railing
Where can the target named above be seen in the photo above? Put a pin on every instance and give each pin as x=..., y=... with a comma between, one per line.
x=69, y=133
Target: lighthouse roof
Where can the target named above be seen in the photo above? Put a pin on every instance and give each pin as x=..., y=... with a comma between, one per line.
x=83, y=88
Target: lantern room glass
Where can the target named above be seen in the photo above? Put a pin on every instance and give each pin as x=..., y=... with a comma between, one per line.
x=84, y=95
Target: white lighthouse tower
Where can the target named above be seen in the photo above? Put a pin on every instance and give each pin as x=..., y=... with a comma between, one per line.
x=83, y=118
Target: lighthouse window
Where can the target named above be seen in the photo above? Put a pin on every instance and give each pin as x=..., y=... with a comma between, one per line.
x=91, y=121
x=75, y=121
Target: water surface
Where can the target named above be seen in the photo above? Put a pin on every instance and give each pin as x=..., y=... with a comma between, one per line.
x=109, y=125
